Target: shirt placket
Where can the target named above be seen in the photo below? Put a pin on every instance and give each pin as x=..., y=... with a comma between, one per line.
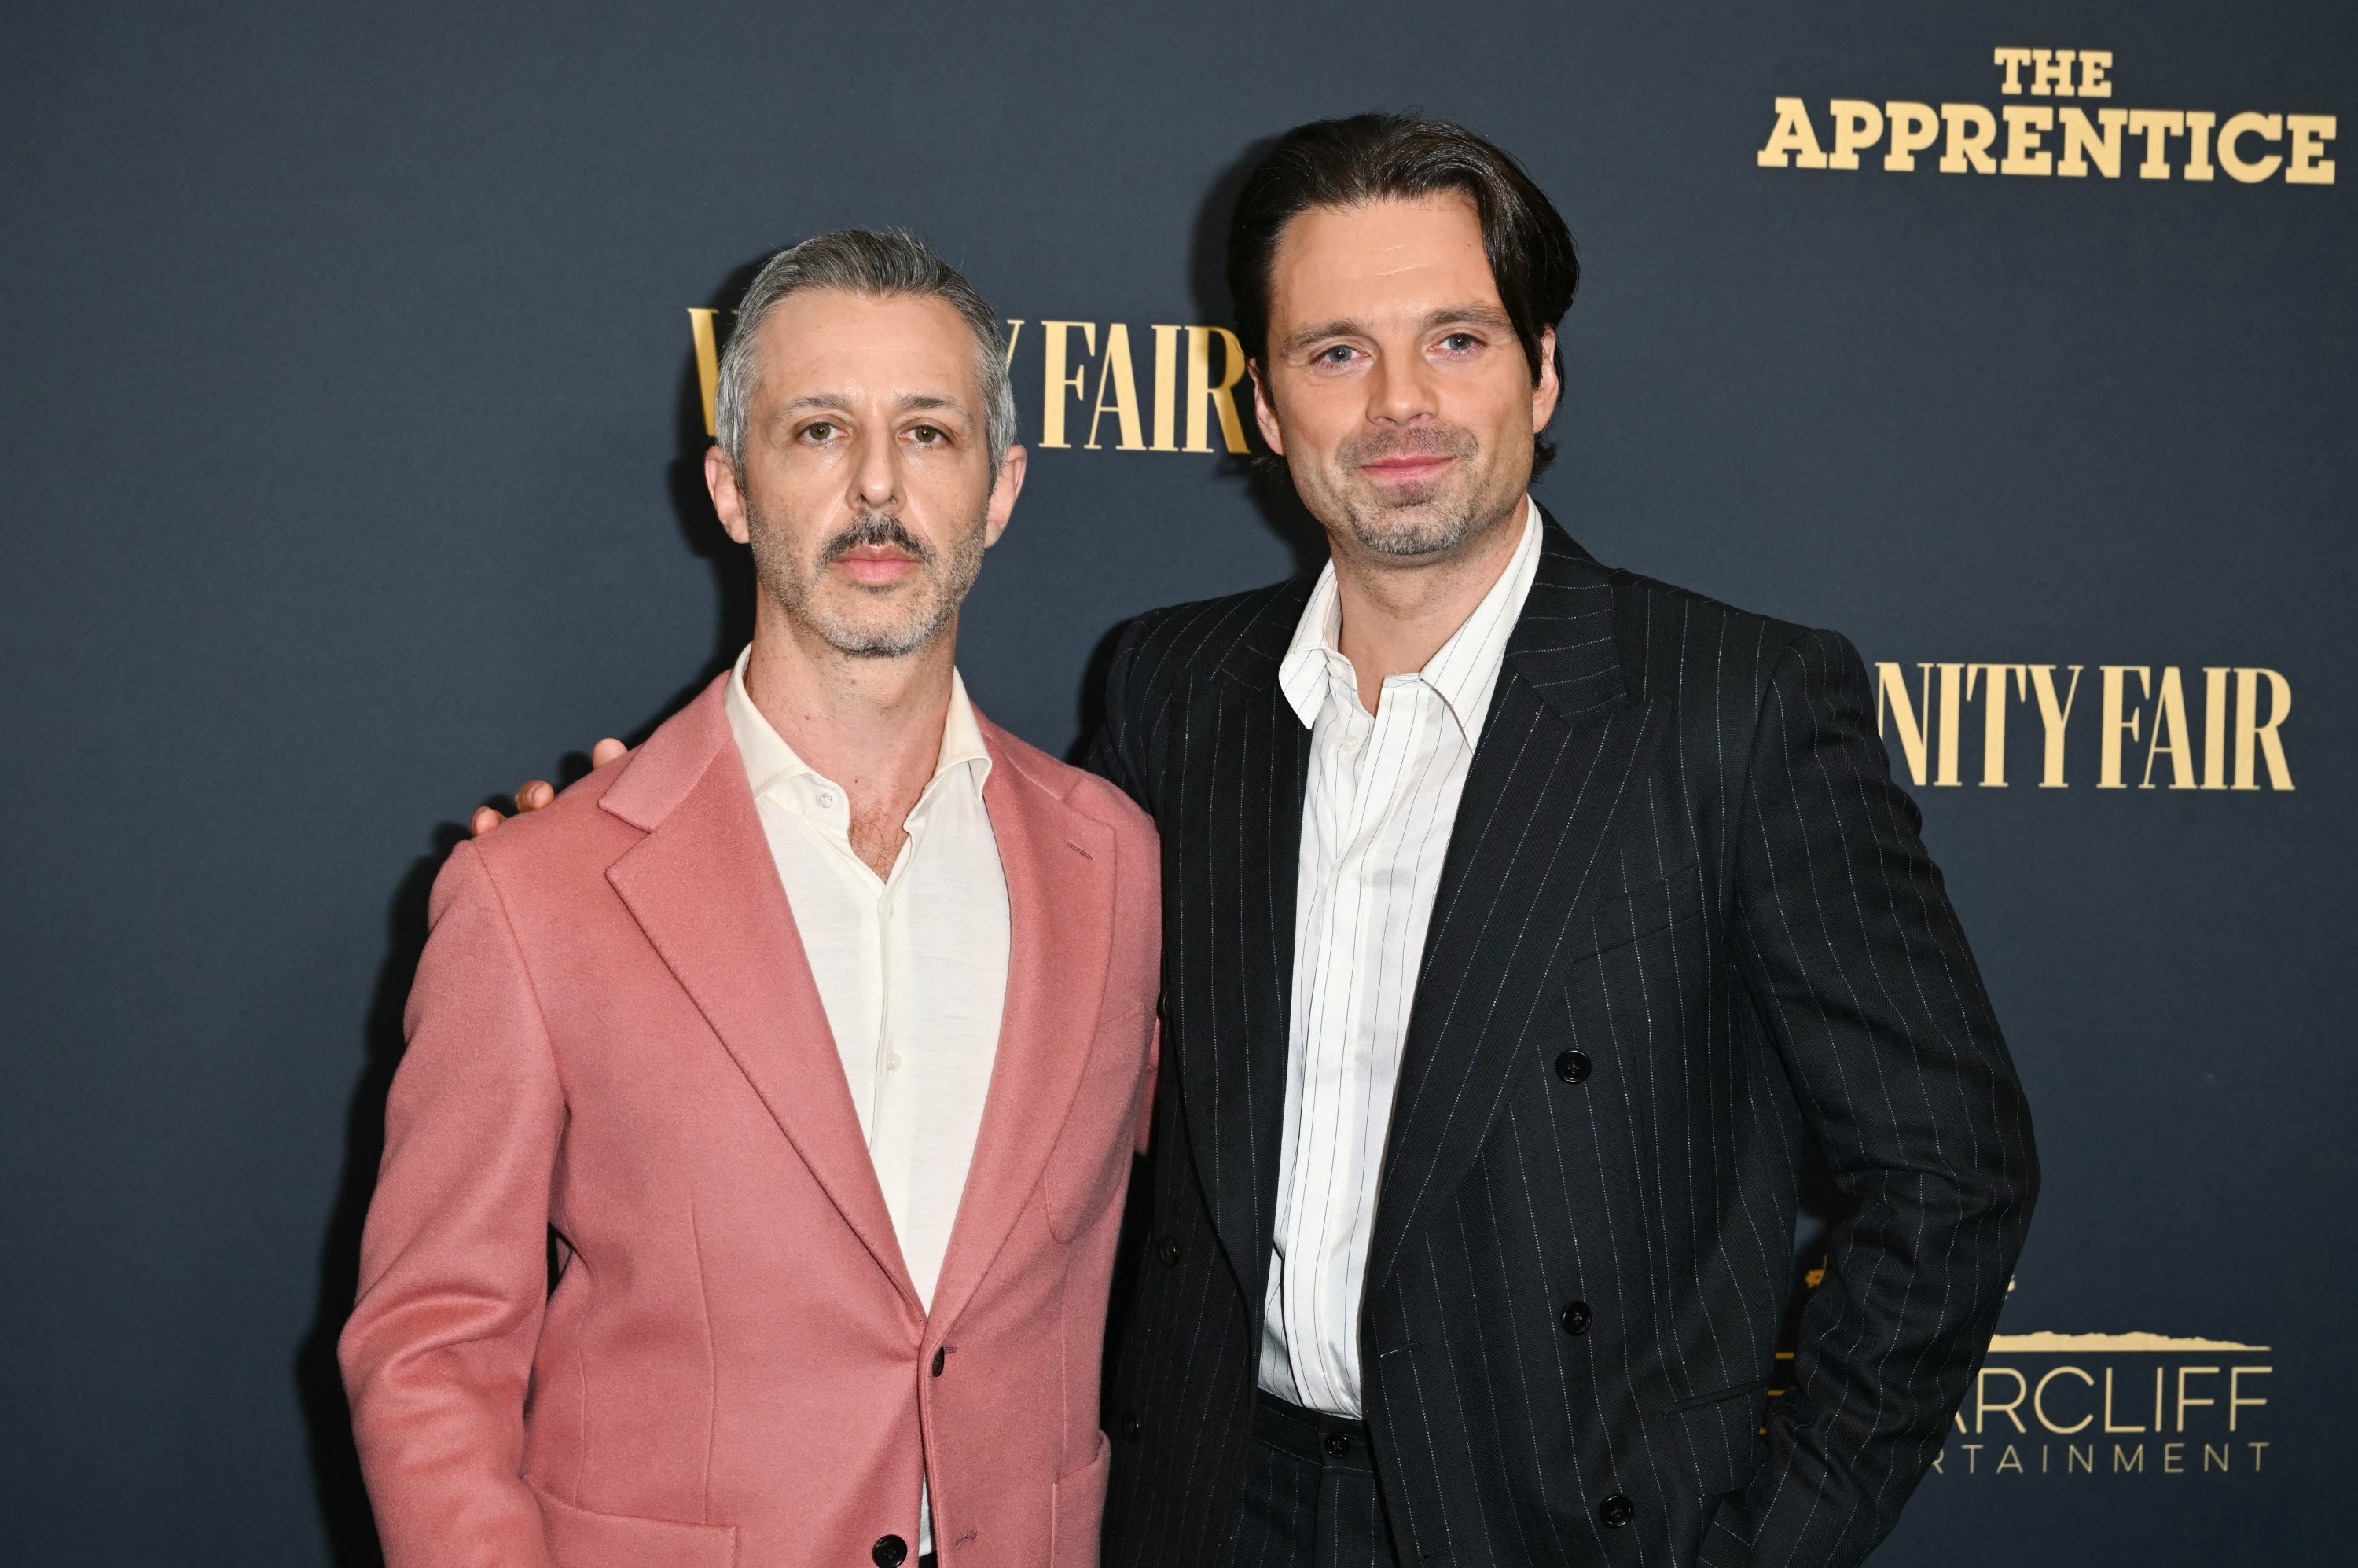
x=1306, y=1197
x=893, y=1148
x=1390, y=742
x=1356, y=948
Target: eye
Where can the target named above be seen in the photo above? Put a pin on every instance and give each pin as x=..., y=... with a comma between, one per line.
x=928, y=435
x=818, y=430
x=1335, y=354
x=1461, y=343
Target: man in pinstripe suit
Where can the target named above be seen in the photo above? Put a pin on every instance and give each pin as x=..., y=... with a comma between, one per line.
x=1525, y=919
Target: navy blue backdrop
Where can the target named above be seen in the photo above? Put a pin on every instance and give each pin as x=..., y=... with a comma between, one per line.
x=348, y=411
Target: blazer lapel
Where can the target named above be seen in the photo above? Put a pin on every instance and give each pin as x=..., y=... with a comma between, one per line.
x=704, y=887
x=1060, y=873
x=1229, y=944
x=1564, y=748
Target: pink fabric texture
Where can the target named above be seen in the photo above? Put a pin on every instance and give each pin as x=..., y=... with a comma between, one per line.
x=614, y=1034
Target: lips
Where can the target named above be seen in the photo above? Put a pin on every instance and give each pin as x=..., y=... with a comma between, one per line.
x=875, y=565
x=1408, y=468
x=1408, y=459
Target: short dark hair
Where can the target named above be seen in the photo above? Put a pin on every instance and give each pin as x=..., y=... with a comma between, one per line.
x=1379, y=157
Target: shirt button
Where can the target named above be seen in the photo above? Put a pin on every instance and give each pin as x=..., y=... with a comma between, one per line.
x=826, y=798
x=891, y=1061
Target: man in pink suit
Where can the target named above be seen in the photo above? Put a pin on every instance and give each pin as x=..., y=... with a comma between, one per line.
x=805, y=1048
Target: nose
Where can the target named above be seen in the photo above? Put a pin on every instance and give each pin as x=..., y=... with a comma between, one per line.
x=1403, y=391
x=876, y=471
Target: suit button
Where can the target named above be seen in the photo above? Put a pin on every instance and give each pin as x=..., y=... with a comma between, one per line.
x=1577, y=1318
x=939, y=1356
x=1337, y=1445
x=1168, y=1250
x=1571, y=1068
x=1616, y=1511
x=1131, y=1426
x=890, y=1551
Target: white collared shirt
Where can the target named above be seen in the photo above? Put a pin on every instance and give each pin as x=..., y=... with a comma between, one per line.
x=912, y=968
x=1376, y=817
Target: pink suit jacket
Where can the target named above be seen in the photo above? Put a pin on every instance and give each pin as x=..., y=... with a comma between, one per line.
x=615, y=1036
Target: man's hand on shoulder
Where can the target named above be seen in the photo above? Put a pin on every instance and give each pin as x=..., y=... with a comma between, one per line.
x=540, y=792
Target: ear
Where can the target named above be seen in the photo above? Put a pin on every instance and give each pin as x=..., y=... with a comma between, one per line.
x=1003, y=491
x=728, y=498
x=1265, y=412
x=1548, y=389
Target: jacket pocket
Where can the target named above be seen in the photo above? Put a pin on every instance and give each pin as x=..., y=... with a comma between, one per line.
x=579, y=1539
x=1091, y=1158
x=1726, y=1534
x=1719, y=1436
x=1075, y=1508
x=1632, y=916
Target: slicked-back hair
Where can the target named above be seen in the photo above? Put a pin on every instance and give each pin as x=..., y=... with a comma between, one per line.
x=882, y=264
x=1406, y=158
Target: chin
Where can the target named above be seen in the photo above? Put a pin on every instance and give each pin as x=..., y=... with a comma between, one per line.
x=874, y=636
x=1394, y=526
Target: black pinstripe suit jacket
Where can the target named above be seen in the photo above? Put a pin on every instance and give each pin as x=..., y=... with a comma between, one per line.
x=1679, y=853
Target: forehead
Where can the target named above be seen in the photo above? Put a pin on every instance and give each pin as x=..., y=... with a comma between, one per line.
x=1381, y=257
x=829, y=341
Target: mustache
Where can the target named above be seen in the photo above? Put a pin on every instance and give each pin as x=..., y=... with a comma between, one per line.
x=1418, y=441
x=869, y=530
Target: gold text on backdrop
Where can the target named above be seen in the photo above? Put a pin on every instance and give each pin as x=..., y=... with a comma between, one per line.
x=1090, y=385
x=2111, y=1404
x=2134, y=707
x=2251, y=146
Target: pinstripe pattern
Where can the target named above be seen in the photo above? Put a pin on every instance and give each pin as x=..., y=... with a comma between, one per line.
x=1379, y=805
x=1307, y=1505
x=1679, y=853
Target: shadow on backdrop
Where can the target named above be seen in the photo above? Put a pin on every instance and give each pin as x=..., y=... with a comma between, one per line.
x=342, y=1497
x=1258, y=472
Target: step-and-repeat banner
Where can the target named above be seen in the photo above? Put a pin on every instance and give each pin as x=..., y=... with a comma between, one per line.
x=356, y=367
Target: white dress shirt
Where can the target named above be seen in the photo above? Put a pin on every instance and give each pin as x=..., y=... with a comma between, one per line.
x=912, y=968
x=1376, y=817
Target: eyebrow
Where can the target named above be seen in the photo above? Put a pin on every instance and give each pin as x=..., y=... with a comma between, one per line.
x=1351, y=327
x=921, y=402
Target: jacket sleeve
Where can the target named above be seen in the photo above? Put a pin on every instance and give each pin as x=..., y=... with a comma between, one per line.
x=1856, y=965
x=1116, y=751
x=438, y=1355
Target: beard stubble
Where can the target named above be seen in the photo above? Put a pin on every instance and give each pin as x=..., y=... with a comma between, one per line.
x=863, y=623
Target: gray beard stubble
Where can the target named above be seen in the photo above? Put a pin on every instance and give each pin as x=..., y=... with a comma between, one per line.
x=1408, y=540
x=948, y=582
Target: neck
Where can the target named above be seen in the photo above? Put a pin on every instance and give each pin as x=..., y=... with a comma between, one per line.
x=873, y=726
x=1397, y=614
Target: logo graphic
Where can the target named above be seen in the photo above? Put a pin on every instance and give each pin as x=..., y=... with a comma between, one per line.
x=2253, y=148
x=2081, y=1405
x=2111, y=1404
x=2134, y=711
x=1088, y=390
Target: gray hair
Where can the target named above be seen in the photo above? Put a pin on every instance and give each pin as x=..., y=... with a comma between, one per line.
x=881, y=264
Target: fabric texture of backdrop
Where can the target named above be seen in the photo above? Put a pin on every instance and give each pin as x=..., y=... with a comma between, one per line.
x=352, y=424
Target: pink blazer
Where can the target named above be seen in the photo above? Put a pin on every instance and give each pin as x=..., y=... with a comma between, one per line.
x=615, y=1034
